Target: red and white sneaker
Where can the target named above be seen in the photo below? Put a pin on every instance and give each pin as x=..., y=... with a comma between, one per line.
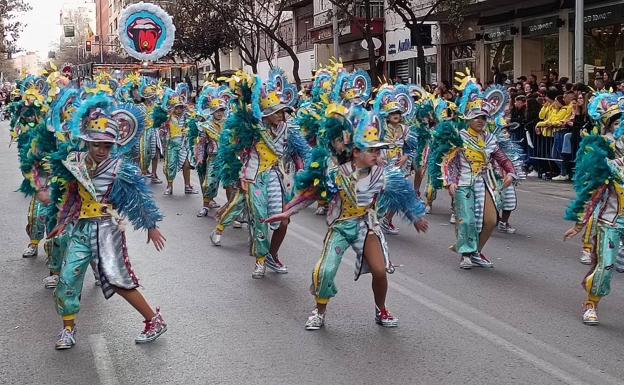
x=385, y=319
x=154, y=328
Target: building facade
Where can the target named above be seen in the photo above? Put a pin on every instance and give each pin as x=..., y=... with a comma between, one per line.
x=532, y=37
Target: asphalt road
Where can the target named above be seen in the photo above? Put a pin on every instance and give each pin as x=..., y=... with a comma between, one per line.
x=518, y=323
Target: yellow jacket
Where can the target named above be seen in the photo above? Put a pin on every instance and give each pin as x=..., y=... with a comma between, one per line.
x=554, y=120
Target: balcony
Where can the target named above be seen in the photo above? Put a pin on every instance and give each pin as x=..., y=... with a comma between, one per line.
x=291, y=5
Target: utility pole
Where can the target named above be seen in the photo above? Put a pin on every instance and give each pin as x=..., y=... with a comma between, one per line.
x=579, y=35
x=336, y=32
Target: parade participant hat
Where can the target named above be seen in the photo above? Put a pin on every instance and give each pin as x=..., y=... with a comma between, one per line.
x=604, y=108
x=93, y=122
x=214, y=98
x=368, y=129
x=472, y=103
x=354, y=88
x=393, y=99
x=62, y=110
x=149, y=89
x=171, y=100
x=277, y=94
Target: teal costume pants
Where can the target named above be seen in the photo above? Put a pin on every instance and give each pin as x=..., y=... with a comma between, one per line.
x=466, y=226
x=606, y=247
x=208, y=178
x=56, y=249
x=340, y=236
x=35, y=227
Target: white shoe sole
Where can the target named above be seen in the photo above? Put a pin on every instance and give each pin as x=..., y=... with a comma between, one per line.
x=312, y=328
x=215, y=243
x=63, y=347
x=147, y=341
x=277, y=270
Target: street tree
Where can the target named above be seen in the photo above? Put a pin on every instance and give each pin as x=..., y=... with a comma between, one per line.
x=267, y=16
x=201, y=31
x=10, y=28
x=360, y=14
x=414, y=17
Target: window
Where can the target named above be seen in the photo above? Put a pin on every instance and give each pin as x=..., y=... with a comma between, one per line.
x=285, y=32
x=303, y=42
x=376, y=7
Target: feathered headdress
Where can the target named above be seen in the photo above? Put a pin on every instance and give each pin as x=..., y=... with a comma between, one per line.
x=472, y=102
x=367, y=129
x=131, y=122
x=62, y=110
x=603, y=107
x=93, y=122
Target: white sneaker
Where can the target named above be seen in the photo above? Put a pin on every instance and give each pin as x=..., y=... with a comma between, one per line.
x=215, y=238
x=427, y=209
x=237, y=224
x=453, y=220
x=586, y=258
x=590, y=317
x=533, y=174
x=465, y=263
x=203, y=212
x=506, y=228
x=259, y=271
x=51, y=281
x=31, y=251
x=315, y=321
x=561, y=178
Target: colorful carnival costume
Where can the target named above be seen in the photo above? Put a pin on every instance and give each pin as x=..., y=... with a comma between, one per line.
x=178, y=154
x=95, y=193
x=261, y=138
x=44, y=141
x=212, y=106
x=357, y=189
x=395, y=105
x=468, y=172
x=599, y=202
x=29, y=114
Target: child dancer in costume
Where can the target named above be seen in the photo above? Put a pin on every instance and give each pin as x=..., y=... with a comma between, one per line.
x=30, y=113
x=393, y=104
x=357, y=188
x=469, y=176
x=213, y=107
x=45, y=140
x=599, y=186
x=263, y=139
x=419, y=128
x=150, y=146
x=177, y=150
x=99, y=190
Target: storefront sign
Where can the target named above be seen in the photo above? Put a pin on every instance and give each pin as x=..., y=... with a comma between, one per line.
x=599, y=17
x=538, y=27
x=501, y=33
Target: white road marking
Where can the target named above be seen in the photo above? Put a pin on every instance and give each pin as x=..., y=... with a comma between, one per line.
x=534, y=351
x=103, y=363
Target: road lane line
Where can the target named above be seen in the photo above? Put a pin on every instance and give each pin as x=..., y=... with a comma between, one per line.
x=577, y=372
x=103, y=363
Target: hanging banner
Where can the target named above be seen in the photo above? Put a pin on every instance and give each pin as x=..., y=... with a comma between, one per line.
x=146, y=31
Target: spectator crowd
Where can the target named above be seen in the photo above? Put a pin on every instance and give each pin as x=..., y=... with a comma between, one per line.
x=550, y=113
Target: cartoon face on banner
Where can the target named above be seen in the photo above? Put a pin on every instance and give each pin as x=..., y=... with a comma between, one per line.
x=146, y=31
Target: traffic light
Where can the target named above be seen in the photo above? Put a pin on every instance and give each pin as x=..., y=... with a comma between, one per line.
x=88, y=46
